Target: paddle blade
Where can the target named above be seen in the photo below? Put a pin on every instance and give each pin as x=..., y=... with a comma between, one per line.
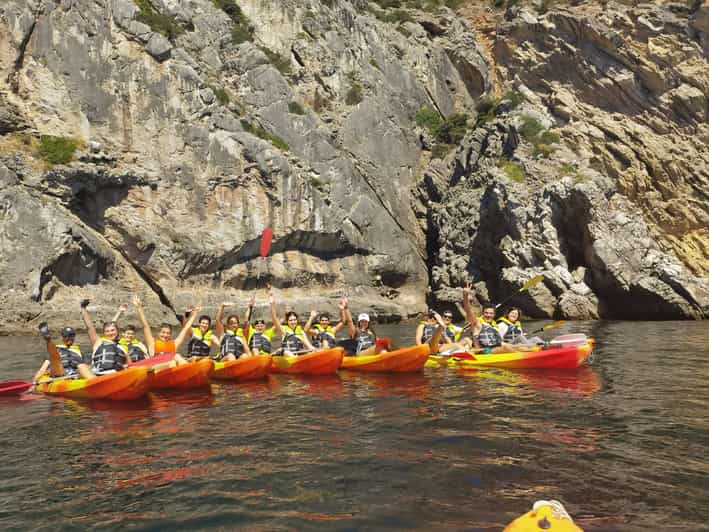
x=553, y=325
x=14, y=387
x=532, y=282
x=266, y=239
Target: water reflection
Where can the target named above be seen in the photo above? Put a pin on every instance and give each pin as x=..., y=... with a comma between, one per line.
x=581, y=381
x=416, y=385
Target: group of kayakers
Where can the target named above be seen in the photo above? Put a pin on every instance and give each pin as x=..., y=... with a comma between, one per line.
x=112, y=351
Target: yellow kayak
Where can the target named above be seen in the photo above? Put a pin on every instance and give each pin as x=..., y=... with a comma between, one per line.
x=544, y=515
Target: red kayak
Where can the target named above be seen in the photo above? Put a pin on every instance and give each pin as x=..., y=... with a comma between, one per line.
x=11, y=388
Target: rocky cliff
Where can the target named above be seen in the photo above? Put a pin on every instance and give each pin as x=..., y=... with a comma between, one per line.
x=395, y=147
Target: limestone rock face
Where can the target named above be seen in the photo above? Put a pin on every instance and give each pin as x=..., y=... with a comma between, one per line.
x=195, y=128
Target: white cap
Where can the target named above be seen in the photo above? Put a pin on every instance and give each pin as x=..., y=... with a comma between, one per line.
x=363, y=317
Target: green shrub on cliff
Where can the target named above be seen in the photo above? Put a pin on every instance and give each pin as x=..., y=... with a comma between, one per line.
x=295, y=108
x=261, y=133
x=57, y=150
x=354, y=94
x=148, y=14
x=542, y=140
x=242, y=30
x=429, y=119
x=282, y=64
x=514, y=171
x=453, y=129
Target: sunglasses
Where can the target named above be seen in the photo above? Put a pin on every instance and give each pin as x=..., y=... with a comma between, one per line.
x=448, y=317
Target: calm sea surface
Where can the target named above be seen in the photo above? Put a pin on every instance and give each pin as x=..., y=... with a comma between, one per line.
x=624, y=444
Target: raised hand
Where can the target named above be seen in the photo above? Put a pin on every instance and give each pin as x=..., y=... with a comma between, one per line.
x=313, y=313
x=136, y=301
x=227, y=304
x=123, y=307
x=84, y=303
x=252, y=301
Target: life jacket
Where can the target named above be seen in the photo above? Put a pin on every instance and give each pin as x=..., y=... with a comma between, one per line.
x=108, y=356
x=135, y=349
x=489, y=335
x=164, y=348
x=324, y=333
x=71, y=357
x=514, y=331
x=428, y=330
x=293, y=339
x=232, y=343
x=259, y=342
x=365, y=339
x=452, y=332
x=200, y=343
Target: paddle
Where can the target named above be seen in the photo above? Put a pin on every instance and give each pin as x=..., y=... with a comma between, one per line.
x=549, y=326
x=17, y=387
x=526, y=286
x=266, y=239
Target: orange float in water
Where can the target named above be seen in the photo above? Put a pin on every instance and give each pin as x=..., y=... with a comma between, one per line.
x=324, y=362
x=183, y=377
x=401, y=360
x=243, y=369
x=130, y=383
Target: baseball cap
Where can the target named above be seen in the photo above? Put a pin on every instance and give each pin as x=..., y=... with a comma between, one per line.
x=363, y=317
x=68, y=332
x=259, y=322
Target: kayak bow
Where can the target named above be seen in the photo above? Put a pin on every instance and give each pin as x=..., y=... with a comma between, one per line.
x=401, y=360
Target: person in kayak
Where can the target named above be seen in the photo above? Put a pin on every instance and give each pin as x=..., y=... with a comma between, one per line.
x=322, y=333
x=108, y=355
x=510, y=329
x=136, y=349
x=432, y=331
x=293, y=338
x=164, y=345
x=363, y=335
x=486, y=337
x=259, y=337
x=202, y=338
x=65, y=359
x=233, y=344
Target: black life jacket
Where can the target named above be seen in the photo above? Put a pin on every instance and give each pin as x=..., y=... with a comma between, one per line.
x=365, y=340
x=259, y=342
x=136, y=350
x=71, y=357
x=514, y=331
x=199, y=344
x=293, y=339
x=232, y=343
x=324, y=333
x=428, y=330
x=489, y=335
x=109, y=355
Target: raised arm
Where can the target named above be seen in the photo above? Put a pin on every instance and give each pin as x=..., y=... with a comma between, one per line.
x=307, y=328
x=250, y=309
x=467, y=307
x=419, y=333
x=121, y=309
x=340, y=324
x=276, y=322
x=348, y=319
x=187, y=327
x=90, y=329
x=147, y=333
x=218, y=319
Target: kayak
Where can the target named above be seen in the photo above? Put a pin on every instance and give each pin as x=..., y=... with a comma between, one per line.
x=544, y=515
x=131, y=383
x=317, y=363
x=185, y=376
x=243, y=369
x=557, y=357
x=401, y=360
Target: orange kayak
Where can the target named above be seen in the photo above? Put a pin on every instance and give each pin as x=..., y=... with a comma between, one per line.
x=401, y=360
x=317, y=363
x=130, y=383
x=185, y=376
x=243, y=369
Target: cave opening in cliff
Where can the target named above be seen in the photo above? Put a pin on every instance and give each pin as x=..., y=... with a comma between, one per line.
x=91, y=204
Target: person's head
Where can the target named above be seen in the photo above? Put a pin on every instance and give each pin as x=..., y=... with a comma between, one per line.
x=205, y=322
x=513, y=314
x=232, y=322
x=363, y=321
x=165, y=333
x=447, y=317
x=292, y=319
x=129, y=332
x=489, y=312
x=110, y=330
x=259, y=325
x=431, y=315
x=68, y=336
x=324, y=319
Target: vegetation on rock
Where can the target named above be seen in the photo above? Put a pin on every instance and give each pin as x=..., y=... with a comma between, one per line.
x=543, y=140
x=514, y=170
x=295, y=108
x=261, y=133
x=282, y=64
x=166, y=25
x=56, y=150
x=242, y=30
